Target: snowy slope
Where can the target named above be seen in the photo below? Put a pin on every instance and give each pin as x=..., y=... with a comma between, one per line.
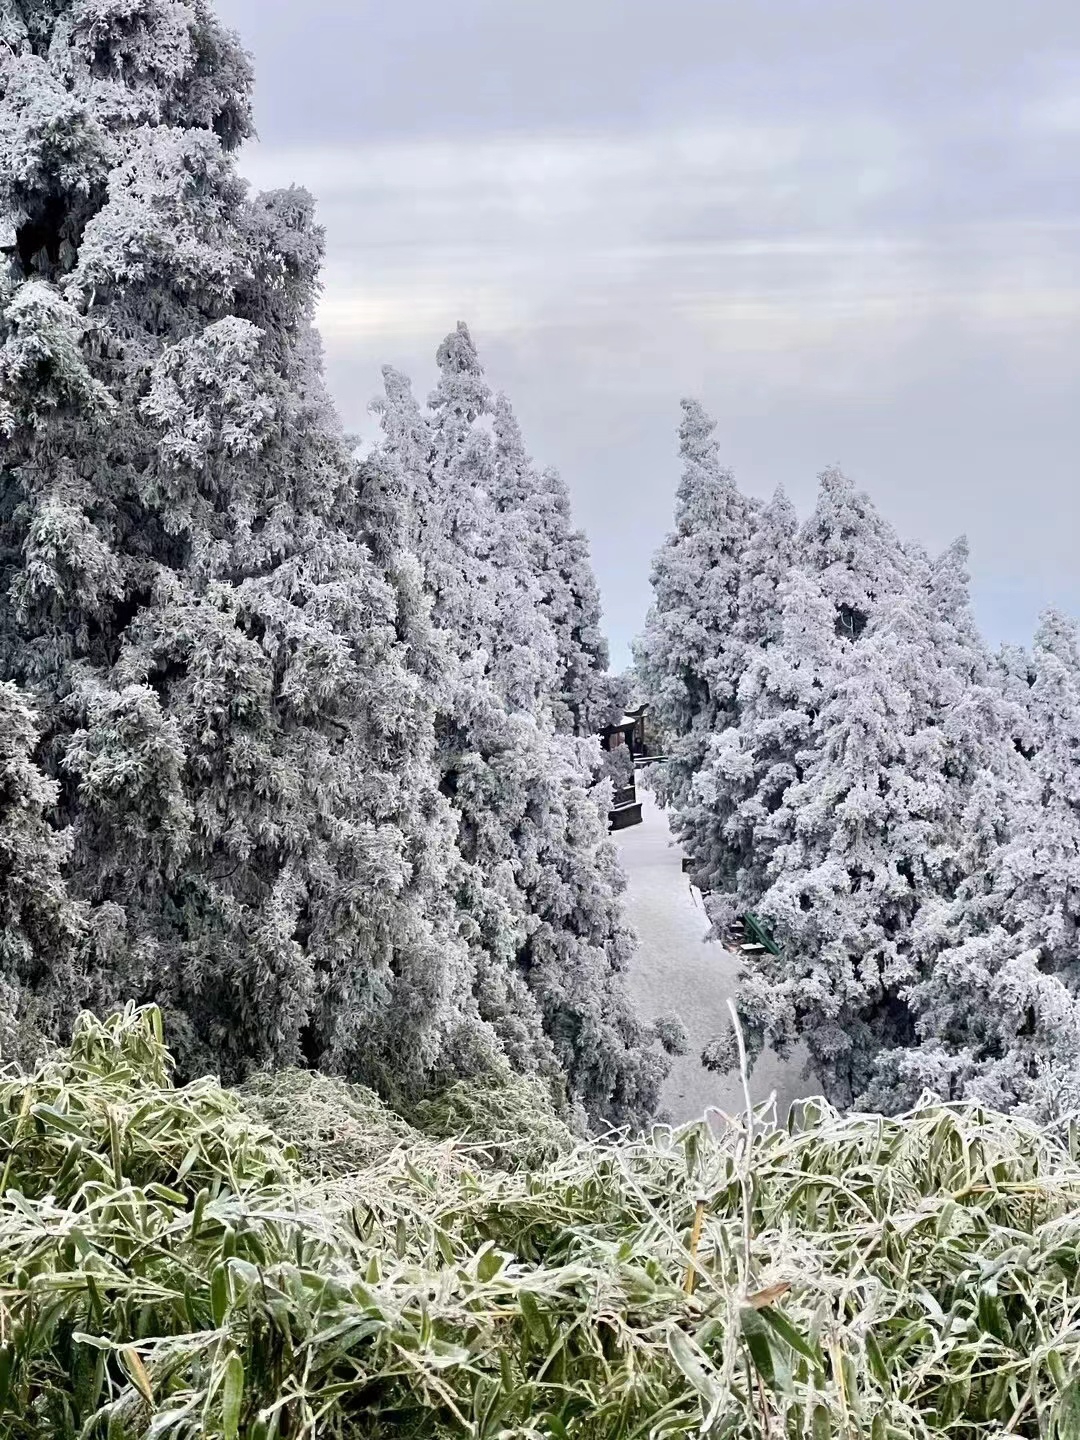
x=674, y=969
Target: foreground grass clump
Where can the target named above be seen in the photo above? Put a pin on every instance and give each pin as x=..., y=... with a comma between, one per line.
x=170, y=1268
x=338, y=1129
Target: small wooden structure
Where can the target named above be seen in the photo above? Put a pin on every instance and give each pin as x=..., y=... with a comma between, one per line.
x=629, y=733
x=640, y=741
x=637, y=735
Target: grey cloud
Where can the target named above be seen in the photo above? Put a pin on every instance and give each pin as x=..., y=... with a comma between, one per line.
x=358, y=67
x=850, y=228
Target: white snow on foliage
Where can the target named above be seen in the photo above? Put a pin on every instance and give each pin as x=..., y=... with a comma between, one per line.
x=296, y=742
x=899, y=807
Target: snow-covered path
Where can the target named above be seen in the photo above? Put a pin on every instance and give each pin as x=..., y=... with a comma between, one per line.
x=675, y=970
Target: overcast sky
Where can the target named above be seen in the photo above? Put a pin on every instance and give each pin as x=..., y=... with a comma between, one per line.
x=850, y=227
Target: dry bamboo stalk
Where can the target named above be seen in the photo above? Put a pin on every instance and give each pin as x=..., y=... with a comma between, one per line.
x=695, y=1241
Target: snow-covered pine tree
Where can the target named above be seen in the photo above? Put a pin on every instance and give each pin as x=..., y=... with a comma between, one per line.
x=585, y=697
x=539, y=881
x=722, y=822
x=947, y=605
x=984, y=732
x=865, y=825
x=998, y=1011
x=854, y=551
x=888, y=813
x=1014, y=672
x=812, y=809
x=767, y=559
x=41, y=928
x=224, y=696
x=430, y=508
x=798, y=599
x=690, y=658
x=486, y=603
x=733, y=819
x=480, y=564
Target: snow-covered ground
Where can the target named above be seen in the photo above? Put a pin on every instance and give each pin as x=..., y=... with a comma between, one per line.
x=675, y=970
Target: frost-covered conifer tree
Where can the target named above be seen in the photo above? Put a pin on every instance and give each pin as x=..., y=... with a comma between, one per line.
x=479, y=556
x=863, y=835
x=766, y=562
x=780, y=820
x=225, y=697
x=584, y=697
x=722, y=822
x=41, y=928
x=733, y=819
x=538, y=881
x=428, y=484
x=855, y=552
x=788, y=629
x=998, y=1012
x=864, y=827
x=690, y=657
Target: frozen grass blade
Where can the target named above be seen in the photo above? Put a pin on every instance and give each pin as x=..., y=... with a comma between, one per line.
x=170, y=1268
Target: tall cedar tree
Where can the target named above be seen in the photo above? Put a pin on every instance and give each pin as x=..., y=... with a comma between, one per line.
x=585, y=696
x=690, y=656
x=226, y=698
x=820, y=793
x=41, y=928
x=998, y=1013
x=897, y=809
x=538, y=881
x=722, y=821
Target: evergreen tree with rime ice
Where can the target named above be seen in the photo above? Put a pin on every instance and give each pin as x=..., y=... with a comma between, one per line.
x=800, y=597
x=226, y=702
x=760, y=821
x=585, y=697
x=719, y=822
x=422, y=490
x=538, y=882
x=41, y=927
x=734, y=820
x=998, y=1013
x=855, y=553
x=864, y=826
x=766, y=562
x=859, y=850
x=690, y=657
